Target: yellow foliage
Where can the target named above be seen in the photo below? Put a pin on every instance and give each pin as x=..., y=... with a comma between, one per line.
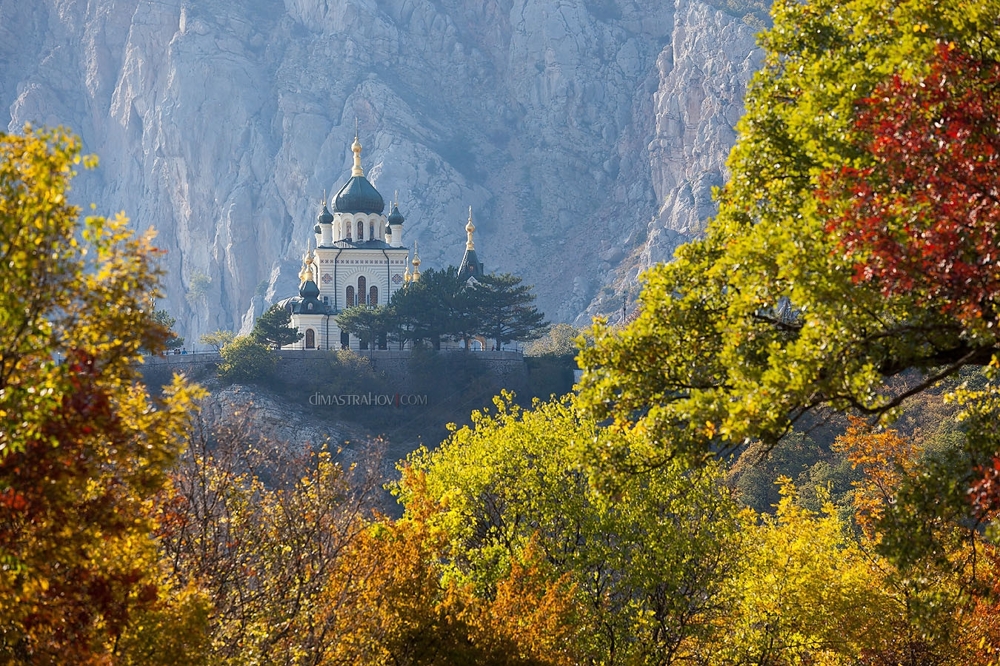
x=83, y=448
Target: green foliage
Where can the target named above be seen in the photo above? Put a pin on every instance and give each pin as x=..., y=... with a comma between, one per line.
x=763, y=321
x=560, y=340
x=755, y=472
x=434, y=308
x=83, y=447
x=646, y=566
x=164, y=320
x=367, y=323
x=274, y=328
x=219, y=339
x=441, y=306
x=246, y=360
x=198, y=288
x=503, y=309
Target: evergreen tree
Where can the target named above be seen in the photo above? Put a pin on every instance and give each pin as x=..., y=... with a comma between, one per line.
x=368, y=324
x=163, y=318
x=274, y=328
x=504, y=310
x=442, y=306
x=433, y=309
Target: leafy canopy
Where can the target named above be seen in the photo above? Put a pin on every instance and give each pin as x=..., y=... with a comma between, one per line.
x=245, y=359
x=766, y=319
x=83, y=447
x=645, y=567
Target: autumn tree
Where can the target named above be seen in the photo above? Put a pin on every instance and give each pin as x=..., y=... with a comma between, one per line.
x=245, y=359
x=942, y=578
x=218, y=339
x=921, y=215
x=83, y=448
x=803, y=592
x=302, y=569
x=263, y=527
x=404, y=609
x=645, y=567
x=764, y=320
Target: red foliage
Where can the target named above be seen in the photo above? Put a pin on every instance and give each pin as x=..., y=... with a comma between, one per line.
x=923, y=218
x=54, y=521
x=985, y=492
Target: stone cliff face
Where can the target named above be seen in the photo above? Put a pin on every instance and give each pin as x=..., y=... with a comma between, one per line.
x=586, y=135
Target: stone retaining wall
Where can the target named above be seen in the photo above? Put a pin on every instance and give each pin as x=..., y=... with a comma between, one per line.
x=507, y=368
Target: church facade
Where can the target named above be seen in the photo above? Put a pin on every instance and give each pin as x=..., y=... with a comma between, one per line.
x=359, y=259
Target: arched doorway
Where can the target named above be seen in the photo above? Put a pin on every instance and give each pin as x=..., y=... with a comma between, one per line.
x=310, y=339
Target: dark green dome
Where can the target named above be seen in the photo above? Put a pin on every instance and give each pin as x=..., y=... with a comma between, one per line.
x=308, y=289
x=325, y=216
x=395, y=217
x=358, y=196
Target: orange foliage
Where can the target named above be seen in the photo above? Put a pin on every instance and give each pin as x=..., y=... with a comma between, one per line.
x=886, y=459
x=394, y=604
x=531, y=613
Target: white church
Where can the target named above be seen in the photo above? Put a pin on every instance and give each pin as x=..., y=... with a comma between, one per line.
x=359, y=259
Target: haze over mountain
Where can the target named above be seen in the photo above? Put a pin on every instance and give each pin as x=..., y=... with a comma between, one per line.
x=586, y=135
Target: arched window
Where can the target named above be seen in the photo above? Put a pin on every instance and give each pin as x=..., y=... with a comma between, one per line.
x=347, y=229
x=373, y=296
x=371, y=230
x=361, y=290
x=361, y=230
x=310, y=339
x=350, y=297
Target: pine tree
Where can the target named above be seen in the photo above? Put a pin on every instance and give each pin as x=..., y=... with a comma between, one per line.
x=504, y=310
x=274, y=328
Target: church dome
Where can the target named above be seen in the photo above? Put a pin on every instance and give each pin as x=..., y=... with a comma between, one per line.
x=395, y=217
x=325, y=216
x=308, y=289
x=358, y=196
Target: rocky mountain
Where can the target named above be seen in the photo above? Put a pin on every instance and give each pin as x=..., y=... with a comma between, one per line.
x=586, y=134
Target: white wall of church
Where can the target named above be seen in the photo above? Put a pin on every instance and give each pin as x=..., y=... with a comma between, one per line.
x=342, y=273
